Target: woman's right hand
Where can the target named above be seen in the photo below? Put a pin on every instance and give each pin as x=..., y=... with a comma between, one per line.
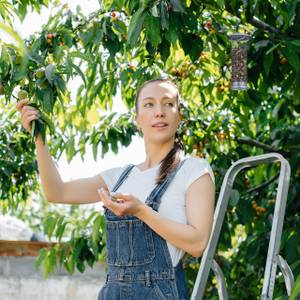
x=28, y=113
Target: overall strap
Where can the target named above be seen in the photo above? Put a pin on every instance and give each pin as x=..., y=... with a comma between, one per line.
x=122, y=177
x=154, y=198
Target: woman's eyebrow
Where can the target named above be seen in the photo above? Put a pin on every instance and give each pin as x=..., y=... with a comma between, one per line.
x=165, y=97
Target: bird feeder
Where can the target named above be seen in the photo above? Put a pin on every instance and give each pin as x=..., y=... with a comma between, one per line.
x=239, y=51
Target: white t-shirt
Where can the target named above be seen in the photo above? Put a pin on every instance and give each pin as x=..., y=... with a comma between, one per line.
x=141, y=183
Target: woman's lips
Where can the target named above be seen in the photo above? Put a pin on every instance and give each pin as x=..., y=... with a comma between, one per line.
x=160, y=125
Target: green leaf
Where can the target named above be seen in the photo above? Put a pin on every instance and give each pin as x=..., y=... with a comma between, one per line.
x=114, y=146
x=273, y=48
x=164, y=49
x=59, y=83
x=42, y=254
x=49, y=72
x=192, y=39
x=288, y=82
x=297, y=90
x=79, y=54
x=268, y=59
x=296, y=289
x=95, y=149
x=33, y=129
x=48, y=122
x=80, y=266
x=152, y=27
x=49, y=225
x=154, y=11
x=292, y=57
x=164, y=15
x=119, y=27
x=88, y=220
x=146, y=3
x=70, y=264
x=135, y=27
x=60, y=231
x=78, y=70
x=14, y=35
x=177, y=5
x=70, y=149
x=96, y=229
x=117, y=4
x=295, y=42
x=277, y=108
x=48, y=100
x=52, y=260
x=60, y=227
x=234, y=197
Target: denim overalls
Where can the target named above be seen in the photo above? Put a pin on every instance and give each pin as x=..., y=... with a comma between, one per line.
x=139, y=262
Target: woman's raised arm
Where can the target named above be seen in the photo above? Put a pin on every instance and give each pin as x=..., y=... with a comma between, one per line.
x=79, y=191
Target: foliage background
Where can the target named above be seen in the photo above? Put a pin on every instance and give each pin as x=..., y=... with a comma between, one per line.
x=118, y=47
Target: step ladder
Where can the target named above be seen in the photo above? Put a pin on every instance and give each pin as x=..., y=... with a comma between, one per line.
x=273, y=257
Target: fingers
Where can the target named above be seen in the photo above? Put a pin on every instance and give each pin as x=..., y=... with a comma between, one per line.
x=21, y=103
x=117, y=207
x=28, y=108
x=28, y=113
x=124, y=196
x=106, y=199
x=22, y=107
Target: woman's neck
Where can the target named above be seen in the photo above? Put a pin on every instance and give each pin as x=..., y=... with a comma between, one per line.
x=155, y=153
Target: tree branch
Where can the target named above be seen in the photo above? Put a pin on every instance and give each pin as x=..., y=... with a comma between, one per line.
x=249, y=141
x=264, y=184
x=264, y=26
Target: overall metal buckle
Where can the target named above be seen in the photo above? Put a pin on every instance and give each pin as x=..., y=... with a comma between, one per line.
x=148, y=278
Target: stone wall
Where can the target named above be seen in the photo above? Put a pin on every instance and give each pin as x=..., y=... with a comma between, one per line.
x=20, y=280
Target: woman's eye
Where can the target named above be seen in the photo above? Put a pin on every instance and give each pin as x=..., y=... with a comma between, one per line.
x=151, y=104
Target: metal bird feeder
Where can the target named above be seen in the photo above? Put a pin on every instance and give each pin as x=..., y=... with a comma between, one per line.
x=239, y=51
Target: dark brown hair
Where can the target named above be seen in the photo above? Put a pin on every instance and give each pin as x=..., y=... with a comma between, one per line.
x=169, y=163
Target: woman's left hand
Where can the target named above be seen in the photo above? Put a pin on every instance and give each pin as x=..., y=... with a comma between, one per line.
x=126, y=204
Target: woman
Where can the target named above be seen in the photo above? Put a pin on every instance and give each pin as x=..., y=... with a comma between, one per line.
x=163, y=207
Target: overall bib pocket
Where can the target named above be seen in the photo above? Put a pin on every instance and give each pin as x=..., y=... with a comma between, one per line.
x=129, y=243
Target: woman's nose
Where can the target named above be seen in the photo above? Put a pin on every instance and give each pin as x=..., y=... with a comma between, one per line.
x=159, y=111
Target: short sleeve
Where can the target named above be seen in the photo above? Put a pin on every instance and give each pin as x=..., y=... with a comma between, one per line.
x=195, y=168
x=110, y=176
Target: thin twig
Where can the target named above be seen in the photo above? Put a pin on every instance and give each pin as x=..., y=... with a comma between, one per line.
x=15, y=97
x=264, y=184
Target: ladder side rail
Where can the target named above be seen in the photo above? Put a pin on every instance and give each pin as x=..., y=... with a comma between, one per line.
x=276, y=231
x=222, y=290
x=287, y=274
x=209, y=252
x=222, y=203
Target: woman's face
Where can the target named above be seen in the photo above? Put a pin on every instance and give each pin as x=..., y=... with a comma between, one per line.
x=157, y=111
